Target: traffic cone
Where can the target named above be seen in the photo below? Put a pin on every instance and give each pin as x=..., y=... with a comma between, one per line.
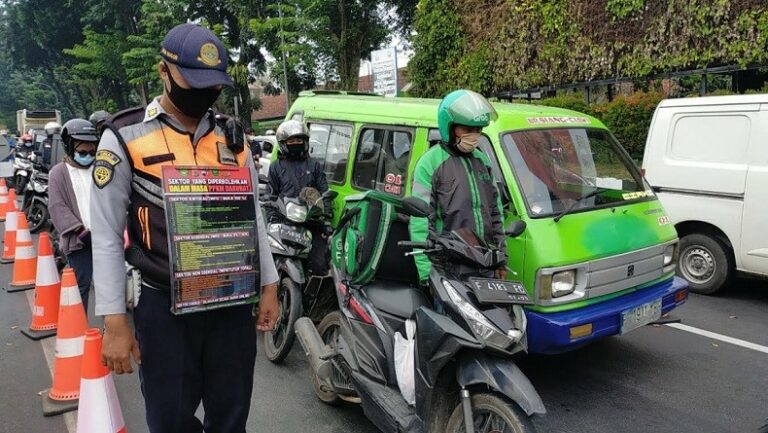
x=3, y=199
x=99, y=410
x=25, y=266
x=9, y=239
x=47, y=289
x=70, y=337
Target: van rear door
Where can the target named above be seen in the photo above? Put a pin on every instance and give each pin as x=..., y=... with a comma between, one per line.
x=754, y=234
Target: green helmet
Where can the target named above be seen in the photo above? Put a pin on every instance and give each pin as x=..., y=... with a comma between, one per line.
x=463, y=107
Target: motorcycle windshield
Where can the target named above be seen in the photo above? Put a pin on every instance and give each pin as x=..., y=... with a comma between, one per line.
x=474, y=248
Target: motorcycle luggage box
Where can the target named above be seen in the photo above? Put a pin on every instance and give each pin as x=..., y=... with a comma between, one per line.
x=359, y=247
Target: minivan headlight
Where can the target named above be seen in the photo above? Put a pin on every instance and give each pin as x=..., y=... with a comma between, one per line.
x=670, y=257
x=563, y=283
x=296, y=212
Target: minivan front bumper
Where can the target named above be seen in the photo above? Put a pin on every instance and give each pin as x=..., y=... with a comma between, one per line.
x=550, y=333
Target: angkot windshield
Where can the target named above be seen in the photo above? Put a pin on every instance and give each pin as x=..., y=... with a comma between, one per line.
x=573, y=169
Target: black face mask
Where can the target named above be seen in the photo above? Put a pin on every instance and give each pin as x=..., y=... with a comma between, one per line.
x=192, y=102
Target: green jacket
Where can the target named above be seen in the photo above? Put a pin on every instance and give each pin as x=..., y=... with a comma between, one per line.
x=461, y=193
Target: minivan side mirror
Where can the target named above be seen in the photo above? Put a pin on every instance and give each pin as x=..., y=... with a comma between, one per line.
x=515, y=229
x=415, y=207
x=330, y=194
x=266, y=146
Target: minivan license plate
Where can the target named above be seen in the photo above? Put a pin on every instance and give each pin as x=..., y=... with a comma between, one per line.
x=641, y=315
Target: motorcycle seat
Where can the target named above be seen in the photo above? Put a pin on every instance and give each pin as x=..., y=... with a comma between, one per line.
x=395, y=298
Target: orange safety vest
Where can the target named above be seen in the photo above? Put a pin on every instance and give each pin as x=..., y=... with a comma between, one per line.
x=149, y=146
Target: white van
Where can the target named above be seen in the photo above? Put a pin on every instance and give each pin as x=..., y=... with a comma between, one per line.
x=707, y=159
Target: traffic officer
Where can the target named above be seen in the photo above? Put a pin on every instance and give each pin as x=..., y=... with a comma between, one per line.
x=206, y=356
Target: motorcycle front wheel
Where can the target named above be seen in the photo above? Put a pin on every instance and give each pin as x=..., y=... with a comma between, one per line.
x=492, y=414
x=278, y=342
x=19, y=184
x=37, y=215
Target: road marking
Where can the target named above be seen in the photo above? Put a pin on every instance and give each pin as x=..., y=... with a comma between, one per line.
x=723, y=338
x=49, y=350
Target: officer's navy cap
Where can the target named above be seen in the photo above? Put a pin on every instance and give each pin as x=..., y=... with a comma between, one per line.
x=199, y=55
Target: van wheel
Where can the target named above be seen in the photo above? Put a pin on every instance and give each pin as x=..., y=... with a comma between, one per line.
x=705, y=263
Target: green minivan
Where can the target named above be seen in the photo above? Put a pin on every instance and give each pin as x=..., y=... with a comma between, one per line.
x=599, y=252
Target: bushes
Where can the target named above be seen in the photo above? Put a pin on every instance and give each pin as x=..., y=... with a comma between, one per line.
x=628, y=117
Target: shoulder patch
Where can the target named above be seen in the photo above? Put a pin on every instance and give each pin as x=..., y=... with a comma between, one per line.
x=104, y=167
x=108, y=156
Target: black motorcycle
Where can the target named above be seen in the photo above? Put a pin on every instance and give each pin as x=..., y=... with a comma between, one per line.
x=290, y=240
x=35, y=200
x=465, y=378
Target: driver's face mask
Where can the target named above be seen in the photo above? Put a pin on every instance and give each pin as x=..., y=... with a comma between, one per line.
x=295, y=148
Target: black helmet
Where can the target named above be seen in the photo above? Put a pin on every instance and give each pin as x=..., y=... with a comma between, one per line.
x=292, y=129
x=77, y=130
x=98, y=118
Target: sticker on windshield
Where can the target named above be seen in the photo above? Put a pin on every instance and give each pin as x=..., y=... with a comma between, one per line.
x=556, y=119
x=636, y=195
x=664, y=220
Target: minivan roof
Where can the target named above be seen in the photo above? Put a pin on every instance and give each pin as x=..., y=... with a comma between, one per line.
x=715, y=100
x=423, y=112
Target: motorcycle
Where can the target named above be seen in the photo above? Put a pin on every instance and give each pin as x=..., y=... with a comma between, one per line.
x=290, y=240
x=22, y=168
x=35, y=202
x=465, y=379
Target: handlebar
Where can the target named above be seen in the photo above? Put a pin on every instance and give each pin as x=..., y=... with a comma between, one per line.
x=413, y=245
x=348, y=215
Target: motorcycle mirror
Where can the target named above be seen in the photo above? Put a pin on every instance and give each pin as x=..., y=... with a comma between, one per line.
x=263, y=180
x=515, y=229
x=415, y=207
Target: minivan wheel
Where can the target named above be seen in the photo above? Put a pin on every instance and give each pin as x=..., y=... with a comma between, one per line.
x=704, y=262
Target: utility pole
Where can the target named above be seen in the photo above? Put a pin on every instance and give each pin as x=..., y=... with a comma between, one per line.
x=285, y=66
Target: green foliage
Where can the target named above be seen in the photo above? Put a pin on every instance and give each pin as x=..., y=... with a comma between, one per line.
x=570, y=102
x=629, y=118
x=623, y=8
x=518, y=44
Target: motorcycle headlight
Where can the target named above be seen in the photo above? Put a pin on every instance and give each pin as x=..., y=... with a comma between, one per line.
x=295, y=212
x=670, y=257
x=481, y=326
x=40, y=188
x=273, y=232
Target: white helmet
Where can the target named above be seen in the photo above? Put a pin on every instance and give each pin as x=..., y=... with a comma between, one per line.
x=52, y=128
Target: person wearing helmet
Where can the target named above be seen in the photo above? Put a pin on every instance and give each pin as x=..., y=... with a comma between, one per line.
x=455, y=178
x=294, y=171
x=69, y=195
x=98, y=118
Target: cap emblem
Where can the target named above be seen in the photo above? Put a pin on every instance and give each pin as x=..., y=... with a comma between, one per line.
x=209, y=54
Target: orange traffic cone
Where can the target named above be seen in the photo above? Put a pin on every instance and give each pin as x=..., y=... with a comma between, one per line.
x=25, y=266
x=47, y=288
x=9, y=239
x=3, y=199
x=99, y=410
x=62, y=396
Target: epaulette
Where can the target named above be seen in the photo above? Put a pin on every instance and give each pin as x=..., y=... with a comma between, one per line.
x=121, y=119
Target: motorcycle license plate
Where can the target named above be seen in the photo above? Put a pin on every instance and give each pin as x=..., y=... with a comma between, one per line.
x=491, y=291
x=290, y=234
x=641, y=315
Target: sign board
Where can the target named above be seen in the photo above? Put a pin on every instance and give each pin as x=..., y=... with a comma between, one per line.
x=384, y=68
x=212, y=237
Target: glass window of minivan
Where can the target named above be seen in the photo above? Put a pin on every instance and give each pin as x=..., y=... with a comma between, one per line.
x=329, y=144
x=575, y=167
x=382, y=158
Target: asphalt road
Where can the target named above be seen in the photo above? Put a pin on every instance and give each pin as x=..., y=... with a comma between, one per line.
x=655, y=379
